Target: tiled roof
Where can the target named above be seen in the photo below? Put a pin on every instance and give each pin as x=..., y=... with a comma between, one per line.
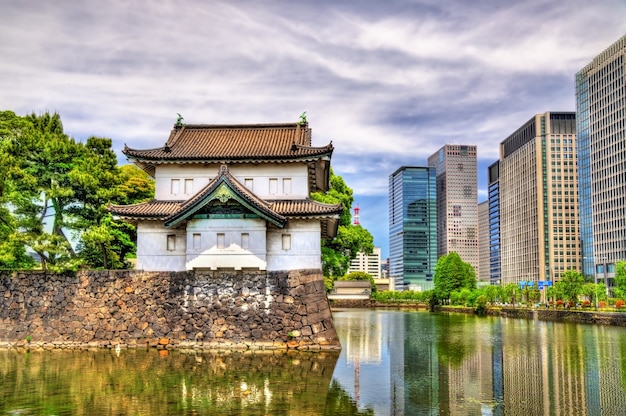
x=146, y=210
x=160, y=210
x=234, y=143
x=304, y=208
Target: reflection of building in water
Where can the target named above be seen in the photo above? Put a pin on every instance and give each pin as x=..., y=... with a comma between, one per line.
x=420, y=371
x=523, y=373
x=600, y=372
x=568, y=363
x=364, y=339
x=544, y=375
x=465, y=351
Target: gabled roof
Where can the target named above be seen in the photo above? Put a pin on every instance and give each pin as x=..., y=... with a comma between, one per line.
x=208, y=143
x=240, y=143
x=224, y=187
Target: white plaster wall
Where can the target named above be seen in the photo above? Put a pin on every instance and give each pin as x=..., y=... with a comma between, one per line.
x=152, y=253
x=305, y=252
x=260, y=175
x=205, y=254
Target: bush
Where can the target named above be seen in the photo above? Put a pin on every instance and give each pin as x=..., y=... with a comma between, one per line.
x=602, y=304
x=619, y=304
x=559, y=303
x=586, y=304
x=480, y=304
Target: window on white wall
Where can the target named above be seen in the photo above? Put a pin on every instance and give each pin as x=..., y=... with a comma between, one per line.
x=245, y=239
x=287, y=186
x=273, y=186
x=188, y=186
x=286, y=241
x=197, y=241
x=221, y=240
x=175, y=186
x=171, y=242
x=249, y=183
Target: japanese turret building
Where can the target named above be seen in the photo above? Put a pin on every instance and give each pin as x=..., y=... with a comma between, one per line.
x=233, y=197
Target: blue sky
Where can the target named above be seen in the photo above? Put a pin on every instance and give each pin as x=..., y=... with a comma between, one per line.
x=389, y=82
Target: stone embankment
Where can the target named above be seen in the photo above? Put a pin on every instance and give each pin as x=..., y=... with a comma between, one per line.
x=208, y=309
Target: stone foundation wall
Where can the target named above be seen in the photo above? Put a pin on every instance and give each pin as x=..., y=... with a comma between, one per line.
x=203, y=309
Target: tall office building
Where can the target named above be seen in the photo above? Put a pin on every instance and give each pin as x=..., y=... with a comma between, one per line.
x=494, y=222
x=483, y=242
x=538, y=192
x=412, y=228
x=601, y=124
x=457, y=202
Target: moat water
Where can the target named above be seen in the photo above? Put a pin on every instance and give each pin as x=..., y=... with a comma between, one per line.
x=392, y=363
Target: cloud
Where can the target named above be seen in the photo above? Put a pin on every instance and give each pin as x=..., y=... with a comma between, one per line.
x=388, y=82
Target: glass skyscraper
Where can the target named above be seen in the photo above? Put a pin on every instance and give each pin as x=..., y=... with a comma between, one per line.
x=601, y=126
x=412, y=227
x=494, y=223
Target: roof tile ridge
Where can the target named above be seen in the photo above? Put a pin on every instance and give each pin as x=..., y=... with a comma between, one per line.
x=175, y=134
x=136, y=204
x=241, y=126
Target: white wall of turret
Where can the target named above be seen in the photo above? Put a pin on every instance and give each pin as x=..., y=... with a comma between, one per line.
x=268, y=181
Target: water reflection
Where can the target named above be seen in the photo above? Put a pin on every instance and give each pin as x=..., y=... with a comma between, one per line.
x=164, y=383
x=392, y=363
x=417, y=363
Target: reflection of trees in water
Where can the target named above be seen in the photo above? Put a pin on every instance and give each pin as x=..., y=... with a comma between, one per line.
x=165, y=382
x=454, y=341
x=339, y=402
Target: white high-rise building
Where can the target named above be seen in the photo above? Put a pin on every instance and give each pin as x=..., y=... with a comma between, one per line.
x=457, y=202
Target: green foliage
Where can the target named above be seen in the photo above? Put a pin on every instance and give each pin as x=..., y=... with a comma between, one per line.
x=350, y=239
x=361, y=276
x=480, y=305
x=511, y=293
x=54, y=192
x=409, y=296
x=570, y=285
x=595, y=292
x=451, y=274
x=620, y=279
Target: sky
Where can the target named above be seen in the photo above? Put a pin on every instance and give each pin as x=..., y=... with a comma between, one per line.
x=388, y=82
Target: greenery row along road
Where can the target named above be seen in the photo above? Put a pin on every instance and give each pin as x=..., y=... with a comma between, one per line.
x=455, y=284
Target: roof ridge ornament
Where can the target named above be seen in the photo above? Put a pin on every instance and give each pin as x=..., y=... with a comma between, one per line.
x=303, y=121
x=179, y=121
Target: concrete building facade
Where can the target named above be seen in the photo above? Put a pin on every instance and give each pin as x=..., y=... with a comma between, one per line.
x=457, y=202
x=538, y=193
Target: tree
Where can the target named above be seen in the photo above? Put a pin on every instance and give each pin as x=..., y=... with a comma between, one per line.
x=452, y=273
x=620, y=280
x=594, y=292
x=571, y=284
x=350, y=239
x=54, y=191
x=511, y=292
